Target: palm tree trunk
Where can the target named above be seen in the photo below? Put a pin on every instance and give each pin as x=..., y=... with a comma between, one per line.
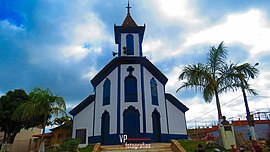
x=250, y=123
x=218, y=107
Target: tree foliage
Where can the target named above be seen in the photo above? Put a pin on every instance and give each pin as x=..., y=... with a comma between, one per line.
x=64, y=120
x=242, y=73
x=209, y=78
x=41, y=103
x=217, y=76
x=8, y=105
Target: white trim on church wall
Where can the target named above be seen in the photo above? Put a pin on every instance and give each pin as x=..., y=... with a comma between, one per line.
x=124, y=105
x=177, y=122
x=136, y=44
x=150, y=108
x=111, y=108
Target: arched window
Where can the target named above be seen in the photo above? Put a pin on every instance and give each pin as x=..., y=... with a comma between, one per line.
x=154, y=93
x=130, y=89
x=130, y=44
x=106, y=92
x=105, y=127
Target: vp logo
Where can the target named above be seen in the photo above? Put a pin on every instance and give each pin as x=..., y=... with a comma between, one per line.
x=123, y=138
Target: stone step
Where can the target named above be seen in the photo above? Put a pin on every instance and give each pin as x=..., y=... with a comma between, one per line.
x=154, y=147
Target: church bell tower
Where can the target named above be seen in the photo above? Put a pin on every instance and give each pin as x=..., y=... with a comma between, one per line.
x=129, y=37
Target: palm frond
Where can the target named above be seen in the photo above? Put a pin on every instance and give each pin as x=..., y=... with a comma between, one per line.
x=195, y=76
x=208, y=93
x=217, y=58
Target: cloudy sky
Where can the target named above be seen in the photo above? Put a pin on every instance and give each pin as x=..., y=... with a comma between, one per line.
x=62, y=44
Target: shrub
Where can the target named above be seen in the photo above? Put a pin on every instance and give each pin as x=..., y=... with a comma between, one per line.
x=87, y=148
x=69, y=146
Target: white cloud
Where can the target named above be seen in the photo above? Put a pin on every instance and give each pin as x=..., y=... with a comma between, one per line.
x=71, y=105
x=249, y=28
x=5, y=25
x=175, y=10
x=85, y=37
x=155, y=49
x=173, y=83
x=91, y=72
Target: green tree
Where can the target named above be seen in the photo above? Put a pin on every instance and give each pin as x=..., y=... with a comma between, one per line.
x=240, y=76
x=41, y=103
x=64, y=120
x=211, y=78
x=8, y=105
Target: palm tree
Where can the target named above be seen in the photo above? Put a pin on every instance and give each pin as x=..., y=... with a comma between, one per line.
x=240, y=76
x=210, y=78
x=41, y=103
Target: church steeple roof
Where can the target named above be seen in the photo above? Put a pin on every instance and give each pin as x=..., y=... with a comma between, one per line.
x=128, y=26
x=129, y=22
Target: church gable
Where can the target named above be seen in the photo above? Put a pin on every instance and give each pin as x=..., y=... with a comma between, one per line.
x=154, y=89
x=176, y=102
x=128, y=60
x=82, y=105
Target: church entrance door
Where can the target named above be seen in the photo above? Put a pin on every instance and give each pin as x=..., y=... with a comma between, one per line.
x=131, y=122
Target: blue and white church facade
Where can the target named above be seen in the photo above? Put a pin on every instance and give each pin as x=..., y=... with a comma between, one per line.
x=129, y=98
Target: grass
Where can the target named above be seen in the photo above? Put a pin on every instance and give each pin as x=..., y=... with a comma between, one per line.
x=191, y=145
x=188, y=145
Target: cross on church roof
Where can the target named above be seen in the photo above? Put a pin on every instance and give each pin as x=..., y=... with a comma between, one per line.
x=130, y=69
x=128, y=7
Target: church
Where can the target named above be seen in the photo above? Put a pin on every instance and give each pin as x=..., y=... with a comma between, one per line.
x=129, y=98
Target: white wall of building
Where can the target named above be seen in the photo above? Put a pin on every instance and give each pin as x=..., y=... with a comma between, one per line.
x=177, y=122
x=111, y=108
x=84, y=120
x=136, y=44
x=148, y=103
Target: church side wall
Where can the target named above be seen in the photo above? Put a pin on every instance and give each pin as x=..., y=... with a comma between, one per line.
x=136, y=43
x=84, y=120
x=124, y=105
x=177, y=120
x=150, y=107
x=111, y=108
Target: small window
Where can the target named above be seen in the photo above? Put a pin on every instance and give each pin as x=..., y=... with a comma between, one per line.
x=154, y=93
x=130, y=44
x=81, y=135
x=106, y=92
x=131, y=89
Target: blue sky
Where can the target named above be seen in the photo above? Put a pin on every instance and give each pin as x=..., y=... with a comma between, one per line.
x=62, y=44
